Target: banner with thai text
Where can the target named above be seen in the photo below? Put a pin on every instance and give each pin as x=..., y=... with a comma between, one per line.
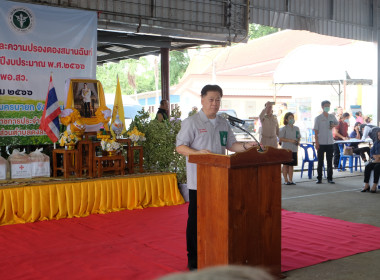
x=37, y=41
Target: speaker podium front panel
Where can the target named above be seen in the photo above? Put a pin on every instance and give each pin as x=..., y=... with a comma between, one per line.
x=239, y=208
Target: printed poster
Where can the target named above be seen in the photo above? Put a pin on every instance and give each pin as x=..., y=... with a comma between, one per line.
x=37, y=41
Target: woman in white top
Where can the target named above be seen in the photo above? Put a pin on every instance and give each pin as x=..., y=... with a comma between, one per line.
x=289, y=137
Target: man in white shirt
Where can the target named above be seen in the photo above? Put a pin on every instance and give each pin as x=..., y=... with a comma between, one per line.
x=202, y=133
x=324, y=142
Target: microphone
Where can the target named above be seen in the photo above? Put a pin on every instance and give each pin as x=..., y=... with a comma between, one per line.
x=231, y=118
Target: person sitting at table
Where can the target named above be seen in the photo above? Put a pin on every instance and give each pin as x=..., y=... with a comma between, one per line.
x=369, y=131
x=356, y=134
x=374, y=165
x=341, y=133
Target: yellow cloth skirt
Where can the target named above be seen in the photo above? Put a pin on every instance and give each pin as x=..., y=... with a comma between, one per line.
x=79, y=199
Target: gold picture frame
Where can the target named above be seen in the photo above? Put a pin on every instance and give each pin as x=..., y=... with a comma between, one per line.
x=95, y=113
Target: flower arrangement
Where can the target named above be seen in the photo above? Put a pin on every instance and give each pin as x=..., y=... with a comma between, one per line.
x=110, y=145
x=102, y=134
x=68, y=138
x=135, y=135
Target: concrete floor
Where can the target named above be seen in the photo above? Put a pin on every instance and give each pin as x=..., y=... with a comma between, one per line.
x=342, y=201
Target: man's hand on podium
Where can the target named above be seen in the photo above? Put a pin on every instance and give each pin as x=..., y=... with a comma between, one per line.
x=203, y=152
x=248, y=145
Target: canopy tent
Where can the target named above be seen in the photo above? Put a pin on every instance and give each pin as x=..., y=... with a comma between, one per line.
x=328, y=65
x=131, y=105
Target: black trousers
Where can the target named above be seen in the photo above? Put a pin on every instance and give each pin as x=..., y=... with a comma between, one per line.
x=336, y=155
x=361, y=151
x=191, y=231
x=376, y=172
x=328, y=149
x=87, y=112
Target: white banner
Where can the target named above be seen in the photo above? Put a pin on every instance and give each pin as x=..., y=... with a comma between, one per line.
x=36, y=41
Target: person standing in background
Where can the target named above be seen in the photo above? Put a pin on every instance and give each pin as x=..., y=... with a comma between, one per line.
x=339, y=112
x=290, y=137
x=324, y=142
x=340, y=133
x=359, y=117
x=163, y=111
x=269, y=126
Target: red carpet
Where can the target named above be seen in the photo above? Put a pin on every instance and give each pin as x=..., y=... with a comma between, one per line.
x=145, y=244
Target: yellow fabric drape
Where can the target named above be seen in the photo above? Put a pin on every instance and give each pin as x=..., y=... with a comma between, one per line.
x=118, y=108
x=79, y=199
x=76, y=115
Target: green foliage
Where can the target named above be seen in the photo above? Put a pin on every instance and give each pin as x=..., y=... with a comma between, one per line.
x=142, y=70
x=178, y=65
x=159, y=146
x=257, y=31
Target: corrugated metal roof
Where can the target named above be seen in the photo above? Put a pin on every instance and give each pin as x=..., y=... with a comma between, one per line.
x=144, y=26
x=341, y=18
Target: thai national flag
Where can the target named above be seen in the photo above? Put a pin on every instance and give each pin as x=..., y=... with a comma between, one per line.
x=50, y=120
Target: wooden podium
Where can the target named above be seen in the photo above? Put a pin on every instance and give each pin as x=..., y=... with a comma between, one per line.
x=239, y=208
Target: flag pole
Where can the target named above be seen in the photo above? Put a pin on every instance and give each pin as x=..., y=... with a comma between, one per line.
x=54, y=144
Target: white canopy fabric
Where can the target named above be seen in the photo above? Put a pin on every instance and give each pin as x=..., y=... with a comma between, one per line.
x=321, y=63
x=127, y=99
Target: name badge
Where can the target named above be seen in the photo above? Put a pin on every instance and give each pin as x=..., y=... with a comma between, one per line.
x=223, y=138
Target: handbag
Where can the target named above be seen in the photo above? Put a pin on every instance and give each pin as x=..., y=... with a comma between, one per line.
x=347, y=151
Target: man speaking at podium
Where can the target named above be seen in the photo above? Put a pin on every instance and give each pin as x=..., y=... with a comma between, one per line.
x=202, y=133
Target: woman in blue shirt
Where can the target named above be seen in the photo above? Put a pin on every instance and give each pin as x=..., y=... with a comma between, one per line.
x=355, y=146
x=375, y=166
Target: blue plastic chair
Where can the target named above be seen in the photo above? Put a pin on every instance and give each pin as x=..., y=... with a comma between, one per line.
x=309, y=135
x=343, y=158
x=310, y=156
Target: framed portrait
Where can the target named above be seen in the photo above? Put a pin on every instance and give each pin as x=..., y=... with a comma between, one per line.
x=85, y=105
x=85, y=97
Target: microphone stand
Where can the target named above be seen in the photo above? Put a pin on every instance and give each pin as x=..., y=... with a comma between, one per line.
x=242, y=129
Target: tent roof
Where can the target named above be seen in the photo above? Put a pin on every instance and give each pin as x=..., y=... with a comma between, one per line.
x=321, y=64
x=259, y=57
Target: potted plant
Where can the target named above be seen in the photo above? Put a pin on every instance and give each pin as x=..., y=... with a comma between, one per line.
x=159, y=146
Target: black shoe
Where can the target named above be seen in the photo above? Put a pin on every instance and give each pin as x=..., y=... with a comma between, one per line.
x=192, y=266
x=330, y=181
x=373, y=191
x=318, y=182
x=365, y=190
x=292, y=183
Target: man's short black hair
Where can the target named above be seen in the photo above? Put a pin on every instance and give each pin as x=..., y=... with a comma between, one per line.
x=325, y=102
x=207, y=88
